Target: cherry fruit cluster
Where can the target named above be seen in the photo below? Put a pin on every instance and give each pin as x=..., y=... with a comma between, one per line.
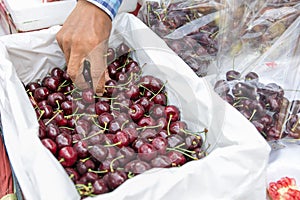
x=264, y=105
x=101, y=141
x=196, y=46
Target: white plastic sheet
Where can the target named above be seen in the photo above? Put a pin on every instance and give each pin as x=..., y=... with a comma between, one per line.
x=234, y=169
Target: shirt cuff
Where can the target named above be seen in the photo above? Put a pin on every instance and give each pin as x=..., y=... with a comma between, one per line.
x=111, y=10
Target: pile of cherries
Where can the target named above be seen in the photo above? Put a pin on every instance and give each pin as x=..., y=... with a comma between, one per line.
x=264, y=105
x=101, y=141
x=198, y=47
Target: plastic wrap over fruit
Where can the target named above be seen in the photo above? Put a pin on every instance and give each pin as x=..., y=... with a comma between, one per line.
x=267, y=92
x=190, y=28
x=30, y=56
x=252, y=27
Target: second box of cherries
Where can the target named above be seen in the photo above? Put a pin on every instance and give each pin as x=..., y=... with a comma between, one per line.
x=102, y=141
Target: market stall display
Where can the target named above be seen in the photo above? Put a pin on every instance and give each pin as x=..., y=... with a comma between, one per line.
x=228, y=147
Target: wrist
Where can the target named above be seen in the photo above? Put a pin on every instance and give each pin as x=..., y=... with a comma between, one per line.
x=109, y=7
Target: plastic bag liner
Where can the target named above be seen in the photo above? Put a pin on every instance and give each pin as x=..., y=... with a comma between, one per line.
x=235, y=167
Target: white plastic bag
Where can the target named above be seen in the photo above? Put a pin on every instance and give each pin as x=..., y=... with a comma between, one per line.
x=234, y=169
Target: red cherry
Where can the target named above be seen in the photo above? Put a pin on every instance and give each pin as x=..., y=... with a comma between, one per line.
x=67, y=156
x=172, y=112
x=50, y=144
x=41, y=93
x=147, y=152
x=136, y=112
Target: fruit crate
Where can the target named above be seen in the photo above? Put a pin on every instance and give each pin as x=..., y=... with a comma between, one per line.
x=24, y=16
x=242, y=156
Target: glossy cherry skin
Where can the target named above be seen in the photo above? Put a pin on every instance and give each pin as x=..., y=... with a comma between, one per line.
x=176, y=158
x=136, y=112
x=161, y=161
x=41, y=93
x=63, y=140
x=115, y=179
x=101, y=107
x=100, y=187
x=147, y=152
x=172, y=112
x=50, y=144
x=67, y=156
x=52, y=83
x=137, y=166
x=160, y=144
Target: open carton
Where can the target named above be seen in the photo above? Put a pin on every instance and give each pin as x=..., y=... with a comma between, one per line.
x=235, y=167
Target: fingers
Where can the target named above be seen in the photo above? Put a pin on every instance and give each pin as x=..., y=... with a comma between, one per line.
x=75, y=70
x=98, y=63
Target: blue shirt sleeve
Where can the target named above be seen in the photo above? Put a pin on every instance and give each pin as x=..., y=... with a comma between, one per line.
x=109, y=6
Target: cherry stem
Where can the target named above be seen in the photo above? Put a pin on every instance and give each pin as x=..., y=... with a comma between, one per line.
x=97, y=172
x=253, y=113
x=124, y=124
x=61, y=160
x=85, y=190
x=158, y=91
x=66, y=127
x=59, y=111
x=194, y=133
x=295, y=125
x=103, y=128
x=58, y=105
x=140, y=85
x=86, y=115
x=111, y=163
x=105, y=98
x=112, y=145
x=69, y=116
x=83, y=160
x=62, y=85
x=180, y=151
x=30, y=94
x=121, y=105
x=168, y=126
x=184, y=150
x=71, y=176
x=90, y=136
x=148, y=127
x=130, y=175
x=41, y=114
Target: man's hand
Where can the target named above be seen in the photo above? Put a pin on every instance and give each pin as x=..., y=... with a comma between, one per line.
x=84, y=29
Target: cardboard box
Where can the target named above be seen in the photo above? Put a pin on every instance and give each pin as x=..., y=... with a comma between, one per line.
x=30, y=15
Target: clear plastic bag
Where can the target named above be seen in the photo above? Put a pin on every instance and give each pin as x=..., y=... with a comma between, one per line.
x=250, y=28
x=190, y=28
x=267, y=91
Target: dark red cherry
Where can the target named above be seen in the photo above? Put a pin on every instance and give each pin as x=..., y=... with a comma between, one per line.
x=136, y=112
x=41, y=93
x=50, y=144
x=147, y=152
x=172, y=112
x=67, y=156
